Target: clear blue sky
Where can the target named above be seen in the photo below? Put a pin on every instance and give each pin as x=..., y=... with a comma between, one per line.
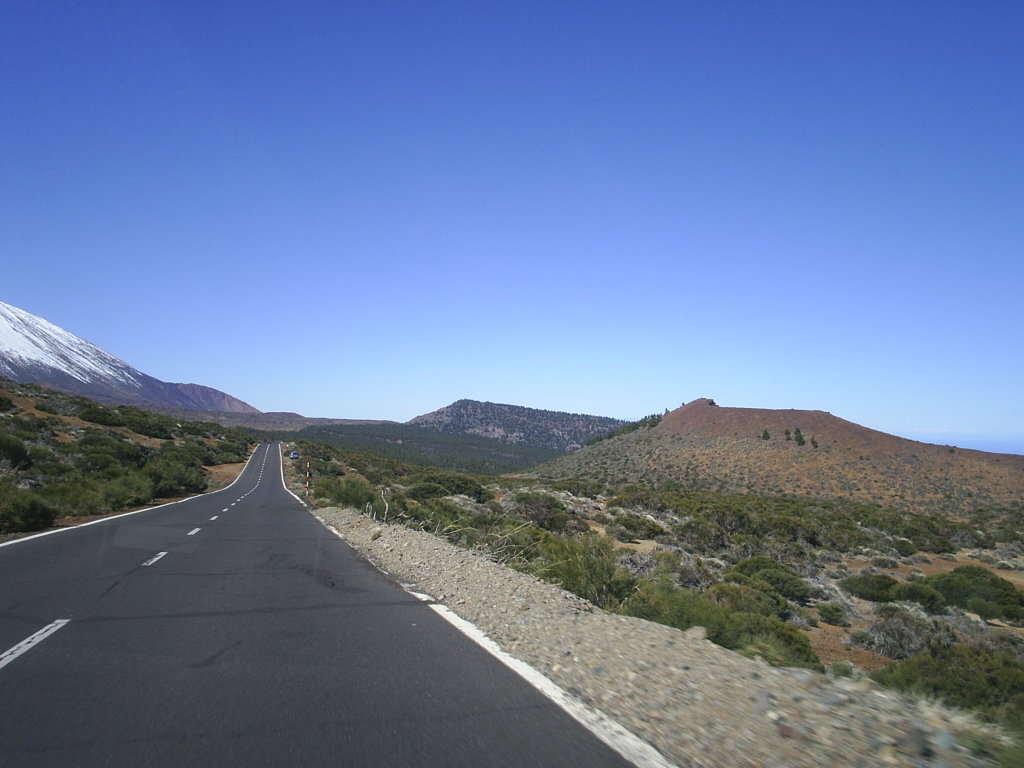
x=373, y=209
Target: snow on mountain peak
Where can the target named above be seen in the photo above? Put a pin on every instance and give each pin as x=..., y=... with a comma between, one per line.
x=26, y=340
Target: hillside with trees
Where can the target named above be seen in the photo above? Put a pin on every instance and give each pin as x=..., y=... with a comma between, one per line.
x=553, y=430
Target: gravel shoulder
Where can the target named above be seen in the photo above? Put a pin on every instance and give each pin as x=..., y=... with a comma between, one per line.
x=700, y=705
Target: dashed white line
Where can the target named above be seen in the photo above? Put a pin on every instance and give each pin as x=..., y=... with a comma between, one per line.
x=153, y=559
x=29, y=642
x=193, y=532
x=214, y=517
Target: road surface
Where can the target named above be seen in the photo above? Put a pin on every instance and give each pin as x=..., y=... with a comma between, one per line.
x=233, y=629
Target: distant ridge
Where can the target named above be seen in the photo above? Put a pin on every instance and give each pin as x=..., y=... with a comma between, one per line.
x=747, y=450
x=554, y=430
x=35, y=351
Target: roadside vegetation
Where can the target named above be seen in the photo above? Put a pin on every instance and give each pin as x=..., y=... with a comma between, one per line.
x=758, y=572
x=64, y=456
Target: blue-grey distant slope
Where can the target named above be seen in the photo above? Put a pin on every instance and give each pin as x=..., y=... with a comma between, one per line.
x=517, y=424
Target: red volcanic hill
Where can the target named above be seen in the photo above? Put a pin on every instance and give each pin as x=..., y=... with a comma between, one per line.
x=706, y=446
x=704, y=417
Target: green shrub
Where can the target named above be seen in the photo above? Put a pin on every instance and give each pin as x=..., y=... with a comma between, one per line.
x=833, y=613
x=424, y=491
x=972, y=584
x=741, y=598
x=986, y=609
x=347, y=491
x=456, y=484
x=964, y=676
x=904, y=547
x=876, y=587
x=917, y=592
x=75, y=496
x=98, y=414
x=22, y=510
x=547, y=512
x=174, y=478
x=778, y=642
x=432, y=513
x=752, y=633
x=128, y=490
x=638, y=527
x=6, y=404
x=584, y=565
x=14, y=453
x=786, y=583
x=781, y=579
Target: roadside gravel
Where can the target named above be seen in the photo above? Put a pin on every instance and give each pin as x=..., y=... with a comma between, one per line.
x=700, y=705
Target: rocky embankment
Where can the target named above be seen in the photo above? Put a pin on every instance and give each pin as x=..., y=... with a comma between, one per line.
x=700, y=705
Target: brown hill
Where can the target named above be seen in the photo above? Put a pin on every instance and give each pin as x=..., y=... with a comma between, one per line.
x=710, y=447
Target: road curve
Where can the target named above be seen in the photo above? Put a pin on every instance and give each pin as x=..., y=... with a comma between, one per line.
x=233, y=629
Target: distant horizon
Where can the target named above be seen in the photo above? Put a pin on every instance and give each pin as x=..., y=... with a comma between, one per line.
x=991, y=443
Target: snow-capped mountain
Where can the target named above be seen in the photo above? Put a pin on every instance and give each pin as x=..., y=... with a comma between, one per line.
x=35, y=351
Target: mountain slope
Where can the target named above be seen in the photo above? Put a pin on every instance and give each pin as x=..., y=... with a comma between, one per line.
x=35, y=351
x=553, y=430
x=709, y=447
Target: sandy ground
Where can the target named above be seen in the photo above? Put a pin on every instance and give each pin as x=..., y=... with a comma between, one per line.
x=828, y=642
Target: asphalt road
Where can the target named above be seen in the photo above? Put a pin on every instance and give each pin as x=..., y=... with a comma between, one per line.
x=257, y=638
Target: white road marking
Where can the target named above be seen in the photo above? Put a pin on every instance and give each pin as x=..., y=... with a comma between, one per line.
x=214, y=517
x=625, y=743
x=193, y=532
x=11, y=654
x=153, y=559
x=225, y=509
x=629, y=746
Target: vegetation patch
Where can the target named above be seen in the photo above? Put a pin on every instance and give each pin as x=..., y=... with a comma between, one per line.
x=980, y=591
x=53, y=466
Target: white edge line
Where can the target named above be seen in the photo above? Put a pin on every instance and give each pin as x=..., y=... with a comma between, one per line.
x=153, y=559
x=126, y=514
x=283, y=483
x=626, y=744
x=12, y=653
